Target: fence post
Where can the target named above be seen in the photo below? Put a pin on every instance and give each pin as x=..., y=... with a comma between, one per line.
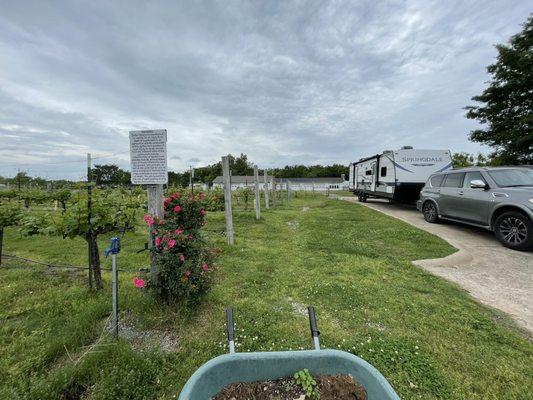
x=257, y=194
x=227, y=199
x=288, y=191
x=265, y=176
x=89, y=207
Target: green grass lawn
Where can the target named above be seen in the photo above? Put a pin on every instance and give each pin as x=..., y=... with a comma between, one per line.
x=429, y=338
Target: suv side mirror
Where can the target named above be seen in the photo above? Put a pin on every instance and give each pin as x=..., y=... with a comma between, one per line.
x=478, y=184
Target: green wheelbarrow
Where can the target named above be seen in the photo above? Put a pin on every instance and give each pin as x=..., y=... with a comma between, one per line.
x=234, y=367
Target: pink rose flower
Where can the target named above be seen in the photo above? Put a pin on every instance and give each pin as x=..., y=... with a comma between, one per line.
x=177, y=209
x=182, y=257
x=157, y=241
x=138, y=282
x=178, y=231
x=148, y=219
x=171, y=243
x=187, y=273
x=190, y=237
x=202, y=212
x=205, y=267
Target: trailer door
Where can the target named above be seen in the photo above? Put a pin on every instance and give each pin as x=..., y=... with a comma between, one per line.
x=351, y=177
x=374, y=177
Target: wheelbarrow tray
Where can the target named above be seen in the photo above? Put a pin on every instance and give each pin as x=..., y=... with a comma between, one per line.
x=221, y=371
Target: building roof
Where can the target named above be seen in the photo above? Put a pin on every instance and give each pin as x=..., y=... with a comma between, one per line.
x=237, y=179
x=334, y=179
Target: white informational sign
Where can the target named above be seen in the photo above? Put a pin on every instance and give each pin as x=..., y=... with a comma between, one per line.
x=148, y=153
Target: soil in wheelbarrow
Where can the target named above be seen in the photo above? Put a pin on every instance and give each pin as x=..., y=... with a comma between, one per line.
x=331, y=387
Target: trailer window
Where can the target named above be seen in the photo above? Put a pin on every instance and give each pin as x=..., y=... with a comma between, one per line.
x=383, y=171
x=368, y=172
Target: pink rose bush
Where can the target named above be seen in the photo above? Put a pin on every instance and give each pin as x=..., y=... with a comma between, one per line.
x=138, y=282
x=183, y=258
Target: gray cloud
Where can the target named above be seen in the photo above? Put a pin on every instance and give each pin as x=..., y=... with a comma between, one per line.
x=284, y=82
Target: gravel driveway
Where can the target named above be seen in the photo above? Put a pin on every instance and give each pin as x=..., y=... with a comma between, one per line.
x=497, y=276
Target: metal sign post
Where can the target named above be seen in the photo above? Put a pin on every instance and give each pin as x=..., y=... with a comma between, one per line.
x=114, y=249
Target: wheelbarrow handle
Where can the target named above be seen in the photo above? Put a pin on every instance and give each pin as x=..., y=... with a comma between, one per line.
x=314, y=329
x=230, y=329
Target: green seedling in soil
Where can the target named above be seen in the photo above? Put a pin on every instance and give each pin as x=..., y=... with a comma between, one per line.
x=305, y=380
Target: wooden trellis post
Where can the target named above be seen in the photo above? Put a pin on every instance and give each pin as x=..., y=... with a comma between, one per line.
x=265, y=188
x=227, y=199
x=273, y=192
x=257, y=194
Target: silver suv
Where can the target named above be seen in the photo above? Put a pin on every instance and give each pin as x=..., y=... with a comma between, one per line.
x=498, y=198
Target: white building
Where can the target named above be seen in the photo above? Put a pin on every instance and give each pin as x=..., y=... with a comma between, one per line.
x=313, y=184
x=241, y=182
x=296, y=184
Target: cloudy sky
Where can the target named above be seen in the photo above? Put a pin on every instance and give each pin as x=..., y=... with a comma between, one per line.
x=283, y=81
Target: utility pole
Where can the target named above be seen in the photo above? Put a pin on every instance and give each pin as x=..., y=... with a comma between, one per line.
x=89, y=232
x=18, y=179
x=191, y=178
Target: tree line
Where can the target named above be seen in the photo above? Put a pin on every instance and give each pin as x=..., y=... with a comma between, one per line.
x=113, y=175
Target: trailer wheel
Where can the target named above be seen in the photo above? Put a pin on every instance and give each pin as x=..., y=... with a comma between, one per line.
x=362, y=197
x=430, y=212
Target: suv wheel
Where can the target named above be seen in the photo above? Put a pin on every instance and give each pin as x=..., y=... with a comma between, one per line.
x=430, y=212
x=514, y=230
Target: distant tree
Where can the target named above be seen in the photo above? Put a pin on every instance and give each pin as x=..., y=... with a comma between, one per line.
x=110, y=175
x=21, y=179
x=507, y=103
x=313, y=171
x=463, y=159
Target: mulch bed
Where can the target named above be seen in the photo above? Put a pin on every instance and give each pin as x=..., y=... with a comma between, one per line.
x=331, y=387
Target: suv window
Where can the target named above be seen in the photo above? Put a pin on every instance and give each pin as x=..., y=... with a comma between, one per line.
x=512, y=177
x=435, y=181
x=472, y=176
x=453, y=180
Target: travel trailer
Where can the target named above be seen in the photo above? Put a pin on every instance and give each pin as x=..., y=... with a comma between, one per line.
x=397, y=175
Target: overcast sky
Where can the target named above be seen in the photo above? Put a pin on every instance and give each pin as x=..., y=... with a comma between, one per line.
x=285, y=82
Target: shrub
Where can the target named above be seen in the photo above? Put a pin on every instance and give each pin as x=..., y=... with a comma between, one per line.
x=214, y=200
x=10, y=215
x=181, y=254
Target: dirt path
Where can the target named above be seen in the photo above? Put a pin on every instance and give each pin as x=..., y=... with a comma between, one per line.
x=497, y=276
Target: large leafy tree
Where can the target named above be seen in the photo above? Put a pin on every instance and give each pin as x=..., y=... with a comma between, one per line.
x=109, y=174
x=463, y=159
x=506, y=108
